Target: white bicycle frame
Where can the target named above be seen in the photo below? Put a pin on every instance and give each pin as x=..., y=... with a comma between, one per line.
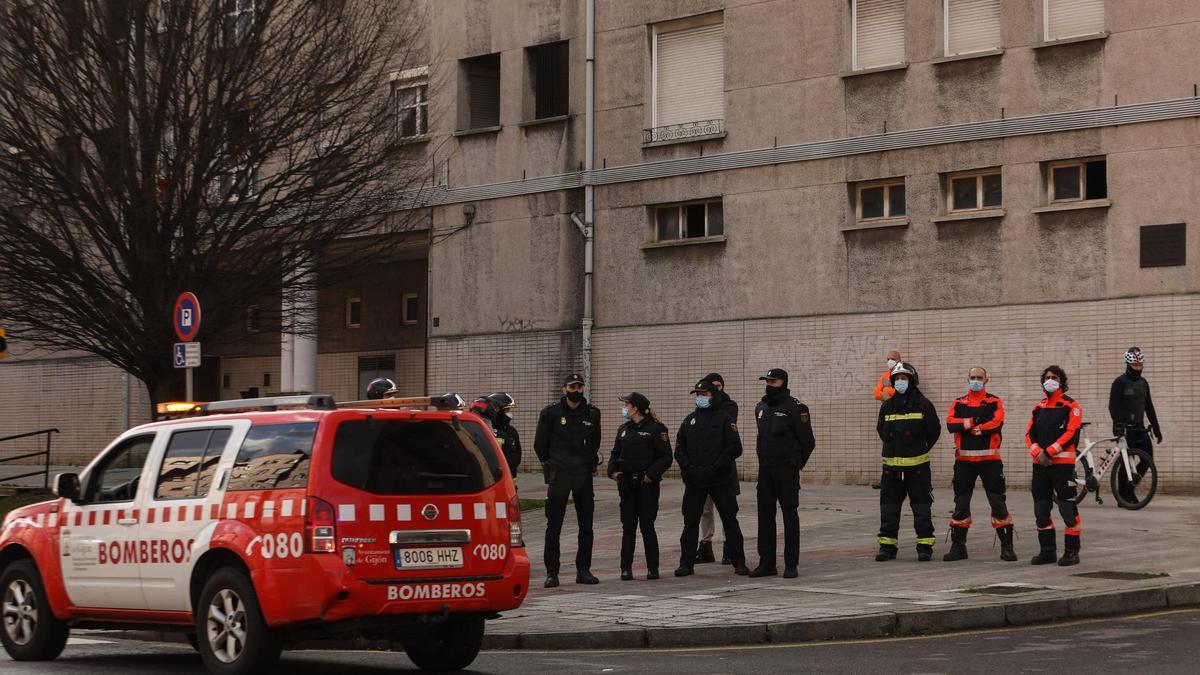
x=1120, y=449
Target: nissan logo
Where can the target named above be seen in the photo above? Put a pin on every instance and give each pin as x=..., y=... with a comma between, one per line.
x=430, y=512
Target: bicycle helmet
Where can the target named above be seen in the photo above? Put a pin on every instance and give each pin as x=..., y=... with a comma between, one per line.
x=1134, y=355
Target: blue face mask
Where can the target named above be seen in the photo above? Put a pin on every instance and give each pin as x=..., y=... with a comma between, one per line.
x=976, y=385
x=702, y=401
x=625, y=413
x=901, y=386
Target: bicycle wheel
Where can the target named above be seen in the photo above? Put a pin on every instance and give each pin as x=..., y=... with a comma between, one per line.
x=1138, y=493
x=1081, y=491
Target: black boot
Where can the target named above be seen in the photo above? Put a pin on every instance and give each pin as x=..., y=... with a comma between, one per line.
x=958, y=545
x=704, y=554
x=1048, y=555
x=763, y=570
x=886, y=552
x=924, y=553
x=626, y=575
x=1006, y=543
x=1070, y=554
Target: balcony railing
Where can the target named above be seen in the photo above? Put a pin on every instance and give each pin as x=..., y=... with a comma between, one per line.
x=676, y=132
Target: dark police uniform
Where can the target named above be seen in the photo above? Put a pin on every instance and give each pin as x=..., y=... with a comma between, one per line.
x=566, y=442
x=909, y=427
x=705, y=448
x=641, y=450
x=785, y=441
x=510, y=442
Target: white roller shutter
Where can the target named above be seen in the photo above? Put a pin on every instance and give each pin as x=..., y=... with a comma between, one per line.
x=878, y=33
x=1073, y=18
x=972, y=26
x=690, y=76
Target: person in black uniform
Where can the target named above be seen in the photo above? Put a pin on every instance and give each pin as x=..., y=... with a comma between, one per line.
x=909, y=427
x=640, y=456
x=1129, y=405
x=704, y=554
x=705, y=448
x=566, y=442
x=497, y=409
x=785, y=441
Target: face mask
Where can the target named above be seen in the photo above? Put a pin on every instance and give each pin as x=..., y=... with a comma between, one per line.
x=574, y=396
x=891, y=363
x=503, y=419
x=901, y=386
x=625, y=413
x=772, y=392
x=702, y=401
x=977, y=385
x=1050, y=386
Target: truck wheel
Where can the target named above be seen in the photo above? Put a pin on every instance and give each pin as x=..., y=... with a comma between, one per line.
x=232, y=636
x=453, y=647
x=30, y=632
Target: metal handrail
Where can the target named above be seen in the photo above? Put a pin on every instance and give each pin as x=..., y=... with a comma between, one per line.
x=46, y=470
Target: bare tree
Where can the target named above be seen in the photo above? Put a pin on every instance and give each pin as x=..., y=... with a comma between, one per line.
x=150, y=147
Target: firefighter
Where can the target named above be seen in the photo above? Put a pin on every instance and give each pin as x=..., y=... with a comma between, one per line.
x=909, y=427
x=498, y=408
x=1130, y=406
x=1052, y=435
x=704, y=554
x=641, y=454
x=379, y=387
x=705, y=448
x=883, y=387
x=976, y=420
x=566, y=442
x=785, y=441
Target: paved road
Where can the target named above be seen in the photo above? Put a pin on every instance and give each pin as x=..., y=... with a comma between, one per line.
x=1161, y=643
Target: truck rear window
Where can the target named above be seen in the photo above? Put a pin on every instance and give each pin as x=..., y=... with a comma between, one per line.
x=413, y=457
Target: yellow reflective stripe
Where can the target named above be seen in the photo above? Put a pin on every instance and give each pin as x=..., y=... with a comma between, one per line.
x=904, y=416
x=928, y=541
x=888, y=541
x=906, y=461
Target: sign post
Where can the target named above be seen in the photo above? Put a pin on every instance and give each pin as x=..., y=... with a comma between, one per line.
x=186, y=320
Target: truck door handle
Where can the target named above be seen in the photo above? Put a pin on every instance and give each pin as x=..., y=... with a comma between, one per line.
x=127, y=521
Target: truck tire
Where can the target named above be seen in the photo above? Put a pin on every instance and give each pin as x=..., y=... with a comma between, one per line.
x=232, y=636
x=28, y=629
x=453, y=647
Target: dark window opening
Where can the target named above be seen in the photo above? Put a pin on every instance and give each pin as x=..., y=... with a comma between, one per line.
x=274, y=457
x=353, y=313
x=1164, y=245
x=411, y=307
x=689, y=221
x=1095, y=180
x=266, y=379
x=404, y=457
x=550, y=73
x=483, y=91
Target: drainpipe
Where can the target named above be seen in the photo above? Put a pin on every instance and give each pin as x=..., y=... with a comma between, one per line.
x=588, y=201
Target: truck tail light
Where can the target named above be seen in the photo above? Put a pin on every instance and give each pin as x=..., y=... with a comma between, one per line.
x=320, y=527
x=515, y=537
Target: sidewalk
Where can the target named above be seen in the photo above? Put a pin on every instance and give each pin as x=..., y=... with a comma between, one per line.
x=842, y=592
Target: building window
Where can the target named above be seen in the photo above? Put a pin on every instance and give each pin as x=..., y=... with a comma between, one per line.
x=1164, y=245
x=226, y=381
x=1065, y=19
x=70, y=153
x=238, y=21
x=409, y=307
x=975, y=191
x=550, y=76
x=354, y=313
x=688, y=79
x=253, y=319
x=481, y=101
x=239, y=179
x=878, y=33
x=266, y=379
x=689, y=220
x=879, y=200
x=971, y=26
x=1076, y=180
x=412, y=108
x=74, y=18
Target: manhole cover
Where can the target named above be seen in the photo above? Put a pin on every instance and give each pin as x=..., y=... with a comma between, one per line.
x=1004, y=589
x=1122, y=576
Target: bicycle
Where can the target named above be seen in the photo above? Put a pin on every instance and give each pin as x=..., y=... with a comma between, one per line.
x=1135, y=465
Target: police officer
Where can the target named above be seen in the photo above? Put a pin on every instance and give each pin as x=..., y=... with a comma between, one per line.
x=1129, y=405
x=908, y=426
x=379, y=387
x=566, y=442
x=707, y=525
x=976, y=420
x=705, y=448
x=640, y=456
x=1052, y=435
x=785, y=441
x=497, y=408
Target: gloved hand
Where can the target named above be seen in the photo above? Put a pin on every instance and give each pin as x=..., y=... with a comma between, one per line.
x=1157, y=435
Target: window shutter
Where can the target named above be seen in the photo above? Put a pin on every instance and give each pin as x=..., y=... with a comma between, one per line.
x=1073, y=18
x=973, y=25
x=691, y=76
x=878, y=33
x=485, y=93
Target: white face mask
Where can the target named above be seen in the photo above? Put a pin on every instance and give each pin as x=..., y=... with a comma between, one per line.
x=891, y=363
x=1050, y=386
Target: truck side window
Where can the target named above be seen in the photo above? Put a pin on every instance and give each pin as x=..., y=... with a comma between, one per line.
x=189, y=463
x=274, y=457
x=116, y=480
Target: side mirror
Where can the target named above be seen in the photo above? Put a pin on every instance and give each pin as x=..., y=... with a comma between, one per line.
x=66, y=485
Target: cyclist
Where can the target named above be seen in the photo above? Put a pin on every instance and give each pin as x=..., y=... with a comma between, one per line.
x=1129, y=405
x=1052, y=435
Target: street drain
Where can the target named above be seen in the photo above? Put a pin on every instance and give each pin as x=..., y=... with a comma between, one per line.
x=1122, y=576
x=1004, y=589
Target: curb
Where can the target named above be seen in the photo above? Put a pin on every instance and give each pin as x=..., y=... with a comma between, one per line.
x=863, y=626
